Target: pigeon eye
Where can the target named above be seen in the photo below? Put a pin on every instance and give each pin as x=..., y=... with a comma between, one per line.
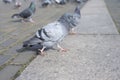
x=39, y=43
x=31, y=45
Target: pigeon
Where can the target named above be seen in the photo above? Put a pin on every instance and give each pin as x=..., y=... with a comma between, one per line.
x=27, y=13
x=7, y=1
x=78, y=1
x=61, y=2
x=17, y=4
x=53, y=33
x=45, y=3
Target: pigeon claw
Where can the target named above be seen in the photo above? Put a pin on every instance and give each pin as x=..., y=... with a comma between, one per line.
x=63, y=50
x=72, y=33
x=41, y=51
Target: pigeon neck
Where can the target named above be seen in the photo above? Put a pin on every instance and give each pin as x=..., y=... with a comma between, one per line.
x=63, y=22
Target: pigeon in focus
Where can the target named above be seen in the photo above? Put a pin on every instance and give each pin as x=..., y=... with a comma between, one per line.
x=27, y=13
x=53, y=33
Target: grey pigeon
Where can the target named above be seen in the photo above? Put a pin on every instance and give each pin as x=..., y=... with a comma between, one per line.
x=53, y=33
x=27, y=13
x=17, y=4
x=45, y=3
x=61, y=1
x=7, y=1
x=80, y=1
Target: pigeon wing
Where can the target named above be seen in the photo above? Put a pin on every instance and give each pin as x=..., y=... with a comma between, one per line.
x=26, y=13
x=52, y=32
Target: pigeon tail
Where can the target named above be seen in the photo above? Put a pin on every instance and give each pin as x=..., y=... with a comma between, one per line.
x=15, y=16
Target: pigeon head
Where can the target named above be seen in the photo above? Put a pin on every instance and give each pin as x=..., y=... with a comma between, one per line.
x=32, y=42
x=70, y=19
x=77, y=10
x=32, y=7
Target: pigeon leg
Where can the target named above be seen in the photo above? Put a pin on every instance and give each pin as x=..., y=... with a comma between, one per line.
x=61, y=49
x=41, y=51
x=31, y=20
x=72, y=32
x=22, y=20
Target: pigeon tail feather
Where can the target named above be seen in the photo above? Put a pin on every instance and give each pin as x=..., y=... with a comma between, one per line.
x=15, y=15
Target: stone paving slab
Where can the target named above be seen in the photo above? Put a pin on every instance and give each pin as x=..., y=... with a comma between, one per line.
x=95, y=19
x=90, y=57
x=114, y=9
x=23, y=58
x=8, y=72
x=4, y=59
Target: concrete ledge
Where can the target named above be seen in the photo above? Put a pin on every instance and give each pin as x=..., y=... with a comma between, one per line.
x=92, y=57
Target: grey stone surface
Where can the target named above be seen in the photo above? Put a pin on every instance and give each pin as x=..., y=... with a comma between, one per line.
x=114, y=9
x=8, y=42
x=90, y=57
x=95, y=19
x=8, y=72
x=4, y=59
x=13, y=50
x=96, y=24
x=23, y=57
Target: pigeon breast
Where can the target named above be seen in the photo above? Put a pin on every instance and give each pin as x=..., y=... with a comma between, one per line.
x=52, y=33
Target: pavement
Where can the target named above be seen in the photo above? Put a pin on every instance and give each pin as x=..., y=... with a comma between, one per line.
x=114, y=9
x=93, y=53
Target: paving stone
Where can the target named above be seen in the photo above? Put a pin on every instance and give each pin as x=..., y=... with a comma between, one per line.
x=1, y=32
x=23, y=57
x=90, y=57
x=4, y=59
x=96, y=20
x=8, y=42
x=8, y=72
x=114, y=9
x=13, y=50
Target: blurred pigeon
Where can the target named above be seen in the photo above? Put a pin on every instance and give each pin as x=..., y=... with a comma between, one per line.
x=45, y=3
x=27, y=13
x=78, y=1
x=61, y=2
x=17, y=4
x=7, y=1
x=53, y=33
